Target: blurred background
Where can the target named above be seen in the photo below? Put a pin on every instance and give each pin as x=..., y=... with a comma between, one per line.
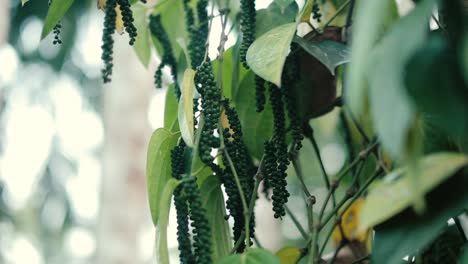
x=73, y=151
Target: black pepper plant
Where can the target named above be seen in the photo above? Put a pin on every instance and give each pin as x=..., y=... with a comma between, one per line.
x=350, y=117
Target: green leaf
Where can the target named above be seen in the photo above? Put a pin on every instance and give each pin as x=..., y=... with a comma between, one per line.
x=283, y=4
x=213, y=201
x=439, y=92
x=158, y=167
x=267, y=55
x=170, y=110
x=252, y=256
x=395, y=193
x=256, y=127
x=162, y=253
x=408, y=233
x=185, y=111
x=23, y=2
x=464, y=256
x=273, y=16
x=56, y=11
x=329, y=53
x=173, y=20
x=370, y=19
x=304, y=16
x=142, y=44
x=392, y=111
x=464, y=58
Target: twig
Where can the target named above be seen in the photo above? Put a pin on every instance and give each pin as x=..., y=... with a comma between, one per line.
x=238, y=243
x=342, y=7
x=361, y=259
x=296, y=222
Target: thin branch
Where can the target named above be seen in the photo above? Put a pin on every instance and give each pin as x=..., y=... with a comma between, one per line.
x=342, y=7
x=296, y=223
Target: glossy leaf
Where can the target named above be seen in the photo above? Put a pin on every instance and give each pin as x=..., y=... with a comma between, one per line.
x=273, y=16
x=329, y=53
x=56, y=11
x=158, y=167
x=252, y=256
x=386, y=78
x=267, y=55
x=408, y=233
x=170, y=110
x=370, y=19
x=162, y=252
x=185, y=110
x=142, y=44
x=395, y=193
x=256, y=127
x=213, y=201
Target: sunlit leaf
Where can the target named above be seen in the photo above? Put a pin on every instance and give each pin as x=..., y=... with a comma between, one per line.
x=288, y=255
x=386, y=78
x=162, y=252
x=395, y=193
x=329, y=53
x=185, y=110
x=57, y=9
x=409, y=233
x=23, y=2
x=369, y=21
x=252, y=256
x=170, y=110
x=213, y=201
x=158, y=167
x=267, y=55
x=304, y=16
x=142, y=44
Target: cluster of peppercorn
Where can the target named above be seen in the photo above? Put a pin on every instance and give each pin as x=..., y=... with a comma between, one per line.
x=188, y=205
x=56, y=30
x=198, y=32
x=247, y=24
x=109, y=29
x=210, y=103
x=316, y=12
x=245, y=170
x=168, y=58
x=260, y=98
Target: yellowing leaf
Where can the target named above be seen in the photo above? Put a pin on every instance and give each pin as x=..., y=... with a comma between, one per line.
x=185, y=110
x=267, y=55
x=119, y=24
x=304, y=15
x=395, y=193
x=101, y=4
x=288, y=255
x=349, y=225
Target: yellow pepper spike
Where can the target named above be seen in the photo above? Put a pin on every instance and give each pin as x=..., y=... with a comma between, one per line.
x=288, y=255
x=349, y=225
x=101, y=4
x=119, y=24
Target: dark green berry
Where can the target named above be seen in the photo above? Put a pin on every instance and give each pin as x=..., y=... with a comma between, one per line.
x=316, y=13
x=107, y=40
x=127, y=17
x=247, y=23
x=259, y=93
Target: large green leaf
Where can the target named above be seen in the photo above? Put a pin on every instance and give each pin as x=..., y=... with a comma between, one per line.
x=329, y=53
x=273, y=16
x=436, y=86
x=408, y=233
x=185, y=110
x=142, y=44
x=232, y=71
x=395, y=193
x=392, y=110
x=283, y=4
x=252, y=256
x=256, y=127
x=158, y=167
x=57, y=9
x=213, y=201
x=162, y=253
x=170, y=110
x=370, y=19
x=267, y=55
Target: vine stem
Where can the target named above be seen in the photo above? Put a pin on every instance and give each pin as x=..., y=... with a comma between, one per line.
x=296, y=222
x=340, y=9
